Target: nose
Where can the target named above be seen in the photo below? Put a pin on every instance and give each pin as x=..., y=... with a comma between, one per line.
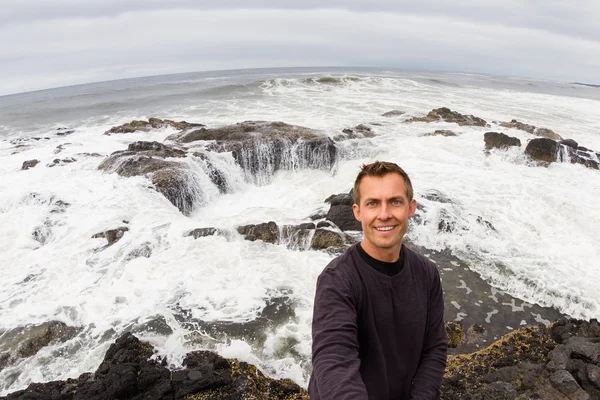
x=384, y=214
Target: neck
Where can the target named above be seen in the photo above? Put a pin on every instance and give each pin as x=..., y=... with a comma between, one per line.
x=389, y=255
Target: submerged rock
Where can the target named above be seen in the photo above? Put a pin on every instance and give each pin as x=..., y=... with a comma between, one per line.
x=441, y=132
x=58, y=162
x=202, y=232
x=541, y=132
x=498, y=140
x=112, y=235
x=447, y=115
x=393, y=113
x=262, y=148
x=27, y=341
x=542, y=150
x=29, y=164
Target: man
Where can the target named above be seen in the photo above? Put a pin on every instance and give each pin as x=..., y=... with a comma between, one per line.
x=378, y=327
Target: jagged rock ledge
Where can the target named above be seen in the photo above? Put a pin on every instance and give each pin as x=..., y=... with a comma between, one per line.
x=559, y=361
x=128, y=372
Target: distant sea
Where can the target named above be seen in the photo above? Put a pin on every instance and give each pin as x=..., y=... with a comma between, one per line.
x=544, y=249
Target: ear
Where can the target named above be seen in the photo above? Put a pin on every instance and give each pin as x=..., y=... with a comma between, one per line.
x=412, y=207
x=356, y=211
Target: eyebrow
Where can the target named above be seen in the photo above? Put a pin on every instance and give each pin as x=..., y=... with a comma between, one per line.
x=368, y=199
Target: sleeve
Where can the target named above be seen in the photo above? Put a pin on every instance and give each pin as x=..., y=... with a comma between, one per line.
x=428, y=378
x=335, y=356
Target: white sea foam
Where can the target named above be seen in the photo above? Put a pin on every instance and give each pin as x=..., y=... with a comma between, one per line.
x=543, y=250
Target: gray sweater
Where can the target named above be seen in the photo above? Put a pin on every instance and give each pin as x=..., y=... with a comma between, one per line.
x=376, y=336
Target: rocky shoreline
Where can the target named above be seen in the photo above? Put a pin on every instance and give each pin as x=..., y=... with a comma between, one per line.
x=559, y=361
x=492, y=355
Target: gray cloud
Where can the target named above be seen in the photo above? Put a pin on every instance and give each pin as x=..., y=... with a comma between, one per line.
x=45, y=44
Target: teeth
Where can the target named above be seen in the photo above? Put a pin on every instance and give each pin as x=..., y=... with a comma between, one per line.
x=387, y=228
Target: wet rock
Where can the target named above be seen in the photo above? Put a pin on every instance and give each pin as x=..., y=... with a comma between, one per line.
x=441, y=132
x=325, y=224
x=570, y=142
x=170, y=178
x=145, y=250
x=447, y=115
x=175, y=184
x=60, y=148
x=327, y=239
x=447, y=222
x=455, y=332
x=202, y=232
x=28, y=341
x=518, y=125
x=393, y=113
x=485, y=223
x=542, y=150
x=267, y=232
x=111, y=235
x=499, y=140
x=262, y=148
x=156, y=325
x=343, y=217
x=547, y=133
x=297, y=236
x=340, y=199
x=58, y=162
x=29, y=164
x=437, y=196
x=152, y=123
x=64, y=132
x=155, y=149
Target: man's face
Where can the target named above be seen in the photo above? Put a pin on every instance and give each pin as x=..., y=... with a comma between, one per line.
x=383, y=211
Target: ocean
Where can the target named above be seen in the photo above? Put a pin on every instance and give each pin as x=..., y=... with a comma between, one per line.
x=253, y=300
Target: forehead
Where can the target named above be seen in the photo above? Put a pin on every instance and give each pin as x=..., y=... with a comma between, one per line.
x=382, y=187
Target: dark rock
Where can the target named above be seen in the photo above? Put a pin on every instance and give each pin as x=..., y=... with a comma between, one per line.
x=455, y=332
x=324, y=224
x=64, y=132
x=582, y=348
x=297, y=236
x=157, y=325
x=327, y=239
x=60, y=148
x=202, y=232
x=447, y=222
x=261, y=147
x=570, y=142
x=441, y=132
x=141, y=158
x=340, y=199
x=559, y=359
x=499, y=140
x=447, y=115
x=343, y=217
x=111, y=235
x=318, y=215
x=393, y=113
x=29, y=164
x=564, y=382
x=175, y=184
x=267, y=232
x=27, y=341
x=542, y=150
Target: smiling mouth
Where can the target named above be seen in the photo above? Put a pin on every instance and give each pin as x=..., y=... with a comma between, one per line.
x=385, y=228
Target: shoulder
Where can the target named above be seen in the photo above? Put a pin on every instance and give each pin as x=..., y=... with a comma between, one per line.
x=421, y=264
x=341, y=270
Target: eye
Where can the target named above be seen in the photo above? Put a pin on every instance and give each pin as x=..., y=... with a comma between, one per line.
x=371, y=204
x=397, y=202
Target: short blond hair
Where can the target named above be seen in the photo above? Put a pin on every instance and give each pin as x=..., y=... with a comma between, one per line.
x=379, y=169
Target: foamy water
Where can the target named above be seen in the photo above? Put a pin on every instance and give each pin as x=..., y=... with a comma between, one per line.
x=544, y=250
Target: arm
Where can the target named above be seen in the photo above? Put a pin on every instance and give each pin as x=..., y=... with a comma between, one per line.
x=428, y=378
x=335, y=358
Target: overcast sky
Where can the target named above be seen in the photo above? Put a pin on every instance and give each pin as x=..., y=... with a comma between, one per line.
x=50, y=43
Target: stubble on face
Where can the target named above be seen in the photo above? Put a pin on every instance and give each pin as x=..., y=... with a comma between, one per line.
x=383, y=212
